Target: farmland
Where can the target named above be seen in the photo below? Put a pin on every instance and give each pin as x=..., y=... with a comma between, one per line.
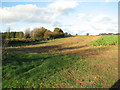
x=73, y=62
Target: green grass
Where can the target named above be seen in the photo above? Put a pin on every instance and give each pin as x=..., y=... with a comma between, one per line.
x=106, y=40
x=34, y=70
x=32, y=43
x=31, y=69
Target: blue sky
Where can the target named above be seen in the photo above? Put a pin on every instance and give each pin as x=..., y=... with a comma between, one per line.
x=71, y=16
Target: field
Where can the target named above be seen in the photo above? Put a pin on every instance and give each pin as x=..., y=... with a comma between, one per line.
x=73, y=62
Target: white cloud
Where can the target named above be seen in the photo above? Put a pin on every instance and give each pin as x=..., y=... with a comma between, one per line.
x=111, y=0
x=62, y=7
x=93, y=24
x=28, y=12
x=81, y=15
x=32, y=13
x=9, y=24
x=51, y=16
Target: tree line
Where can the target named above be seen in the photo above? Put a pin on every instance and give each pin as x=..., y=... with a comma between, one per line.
x=37, y=34
x=109, y=34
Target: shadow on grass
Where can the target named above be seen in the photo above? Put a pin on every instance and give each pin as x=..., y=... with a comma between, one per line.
x=116, y=85
x=41, y=49
x=22, y=44
x=77, y=47
x=33, y=68
x=58, y=49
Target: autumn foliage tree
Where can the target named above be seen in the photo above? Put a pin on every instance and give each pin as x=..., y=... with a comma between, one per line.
x=59, y=32
x=48, y=35
x=38, y=33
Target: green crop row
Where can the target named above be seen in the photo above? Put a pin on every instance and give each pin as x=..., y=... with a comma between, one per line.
x=107, y=40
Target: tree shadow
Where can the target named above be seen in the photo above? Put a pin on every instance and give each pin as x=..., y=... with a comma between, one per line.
x=116, y=85
x=24, y=44
x=57, y=49
x=87, y=52
x=41, y=49
x=77, y=47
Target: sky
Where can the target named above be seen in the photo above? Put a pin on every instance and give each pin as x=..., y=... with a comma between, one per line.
x=72, y=16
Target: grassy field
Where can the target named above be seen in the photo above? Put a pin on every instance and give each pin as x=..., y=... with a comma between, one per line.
x=67, y=63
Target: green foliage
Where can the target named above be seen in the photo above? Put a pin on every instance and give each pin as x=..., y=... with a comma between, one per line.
x=37, y=34
x=58, y=30
x=21, y=34
x=87, y=34
x=4, y=35
x=67, y=35
x=58, y=33
x=106, y=40
x=12, y=35
x=16, y=35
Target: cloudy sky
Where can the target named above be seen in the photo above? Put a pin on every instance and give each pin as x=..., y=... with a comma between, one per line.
x=73, y=16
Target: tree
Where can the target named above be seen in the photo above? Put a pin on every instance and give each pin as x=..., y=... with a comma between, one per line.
x=60, y=32
x=48, y=35
x=21, y=34
x=76, y=34
x=38, y=33
x=87, y=34
x=16, y=35
x=27, y=33
x=12, y=34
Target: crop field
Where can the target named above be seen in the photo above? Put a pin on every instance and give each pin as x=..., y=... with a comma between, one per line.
x=106, y=40
x=73, y=62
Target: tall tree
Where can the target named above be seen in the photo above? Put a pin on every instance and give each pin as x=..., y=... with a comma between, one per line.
x=27, y=33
